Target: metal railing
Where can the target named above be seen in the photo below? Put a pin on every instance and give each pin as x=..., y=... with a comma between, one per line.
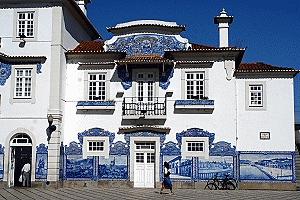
x=144, y=106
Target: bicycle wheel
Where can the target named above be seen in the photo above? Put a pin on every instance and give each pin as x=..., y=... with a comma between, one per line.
x=229, y=186
x=210, y=186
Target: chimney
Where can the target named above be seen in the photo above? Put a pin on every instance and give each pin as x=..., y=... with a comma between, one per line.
x=223, y=21
x=82, y=4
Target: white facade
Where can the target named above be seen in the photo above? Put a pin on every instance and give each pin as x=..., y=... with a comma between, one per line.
x=145, y=96
x=56, y=28
x=238, y=106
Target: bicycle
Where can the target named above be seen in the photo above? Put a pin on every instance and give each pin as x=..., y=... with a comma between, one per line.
x=223, y=184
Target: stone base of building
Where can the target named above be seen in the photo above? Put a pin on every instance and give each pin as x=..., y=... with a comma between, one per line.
x=129, y=184
x=267, y=186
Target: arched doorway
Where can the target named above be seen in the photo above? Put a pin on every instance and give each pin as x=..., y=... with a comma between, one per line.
x=20, y=154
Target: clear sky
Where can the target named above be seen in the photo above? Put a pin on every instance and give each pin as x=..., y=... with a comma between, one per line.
x=270, y=29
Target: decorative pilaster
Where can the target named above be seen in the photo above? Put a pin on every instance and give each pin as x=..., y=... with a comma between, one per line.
x=54, y=151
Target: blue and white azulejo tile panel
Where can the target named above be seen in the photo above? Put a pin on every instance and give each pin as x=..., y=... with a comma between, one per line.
x=41, y=166
x=216, y=166
x=267, y=166
x=115, y=167
x=78, y=168
x=41, y=162
x=1, y=161
x=1, y=166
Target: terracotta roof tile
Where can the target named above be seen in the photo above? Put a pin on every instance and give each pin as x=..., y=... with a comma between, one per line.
x=21, y=59
x=260, y=66
x=89, y=46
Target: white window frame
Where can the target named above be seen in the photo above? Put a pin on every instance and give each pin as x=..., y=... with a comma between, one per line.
x=256, y=95
x=85, y=146
x=16, y=24
x=192, y=146
x=94, y=145
x=194, y=80
x=13, y=97
x=87, y=82
x=201, y=154
x=248, y=104
x=155, y=86
x=23, y=78
x=184, y=72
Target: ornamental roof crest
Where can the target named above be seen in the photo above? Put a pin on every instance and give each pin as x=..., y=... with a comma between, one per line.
x=146, y=37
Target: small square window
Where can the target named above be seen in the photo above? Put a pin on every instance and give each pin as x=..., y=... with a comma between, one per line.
x=95, y=146
x=195, y=146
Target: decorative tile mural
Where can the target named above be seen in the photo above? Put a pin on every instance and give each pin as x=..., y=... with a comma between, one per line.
x=115, y=167
x=180, y=168
x=75, y=167
x=216, y=166
x=78, y=168
x=223, y=160
x=1, y=161
x=267, y=166
x=41, y=162
x=96, y=132
x=220, y=163
x=5, y=71
x=145, y=44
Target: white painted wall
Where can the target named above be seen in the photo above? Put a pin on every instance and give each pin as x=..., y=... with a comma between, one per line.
x=229, y=120
x=51, y=42
x=221, y=121
x=278, y=118
x=26, y=115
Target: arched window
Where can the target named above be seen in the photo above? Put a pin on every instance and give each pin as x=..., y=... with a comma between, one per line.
x=21, y=139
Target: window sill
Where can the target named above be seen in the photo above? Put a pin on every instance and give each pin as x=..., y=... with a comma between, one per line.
x=195, y=104
x=22, y=100
x=95, y=105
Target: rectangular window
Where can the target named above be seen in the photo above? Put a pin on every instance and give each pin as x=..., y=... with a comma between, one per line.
x=195, y=146
x=256, y=95
x=144, y=145
x=95, y=145
x=25, y=24
x=97, y=87
x=23, y=83
x=194, y=85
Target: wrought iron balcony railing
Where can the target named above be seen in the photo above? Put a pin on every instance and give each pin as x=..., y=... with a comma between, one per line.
x=144, y=106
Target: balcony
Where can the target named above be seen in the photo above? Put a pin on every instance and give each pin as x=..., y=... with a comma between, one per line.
x=144, y=108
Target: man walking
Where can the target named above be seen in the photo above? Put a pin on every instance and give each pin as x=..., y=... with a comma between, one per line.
x=26, y=175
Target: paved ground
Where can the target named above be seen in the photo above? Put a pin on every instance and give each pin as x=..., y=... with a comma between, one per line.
x=125, y=193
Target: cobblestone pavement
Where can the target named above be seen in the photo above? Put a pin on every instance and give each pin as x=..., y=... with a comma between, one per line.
x=133, y=193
